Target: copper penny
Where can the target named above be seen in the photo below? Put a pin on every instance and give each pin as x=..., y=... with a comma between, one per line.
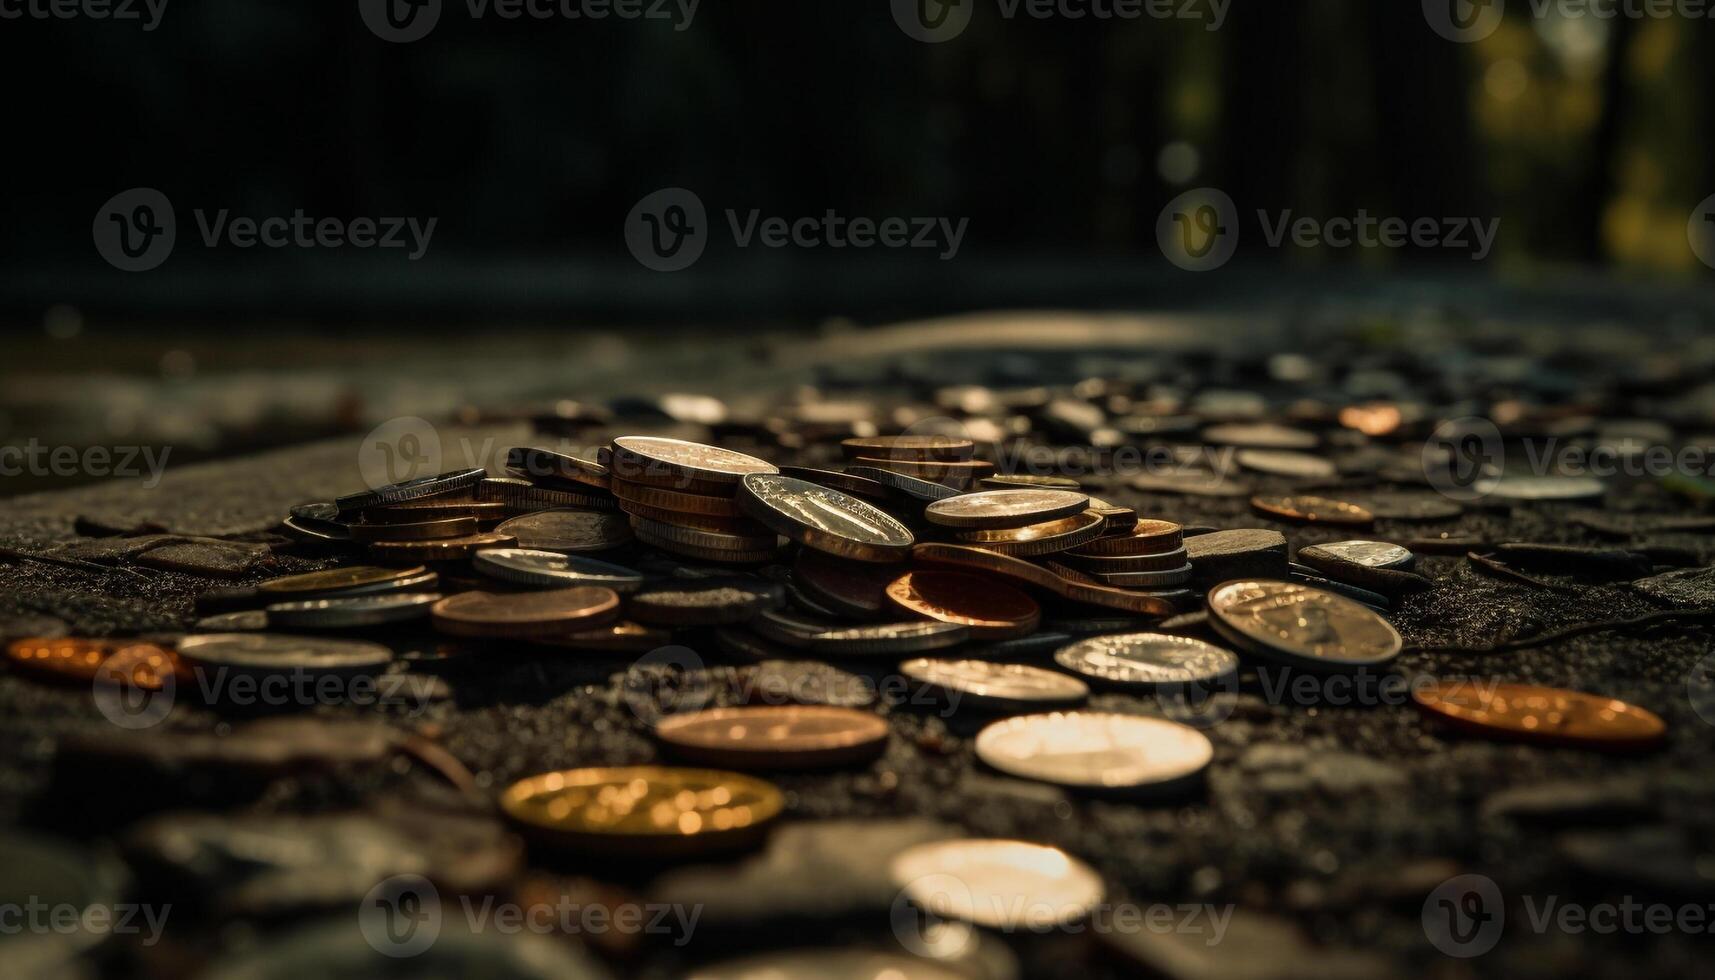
x=81, y=661
x=1542, y=714
x=525, y=614
x=775, y=736
x=1039, y=539
x=444, y=527
x=991, y=609
x=1307, y=509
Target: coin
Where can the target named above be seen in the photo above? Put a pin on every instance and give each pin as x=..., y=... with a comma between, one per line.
x=354, y=580
x=522, y=495
x=992, y=610
x=909, y=447
x=922, y=491
x=704, y=602
x=655, y=532
x=643, y=811
x=1116, y=520
x=415, y=511
x=79, y=660
x=1146, y=537
x=278, y=653
x=546, y=462
x=1542, y=714
x=1309, y=509
x=1259, y=435
x=1160, y=579
x=568, y=530
x=143, y=666
x=823, y=519
x=741, y=526
x=528, y=566
x=1039, y=539
x=1003, y=509
x=352, y=611
x=1370, y=554
x=658, y=498
x=309, y=529
x=949, y=473
x=775, y=736
x=850, y=588
x=1301, y=626
x=996, y=687
x=1550, y=488
x=620, y=637
x=1007, y=481
x=1078, y=588
x=884, y=638
x=678, y=545
x=1003, y=884
x=683, y=465
x=1238, y=553
x=245, y=620
x=457, y=482
x=834, y=964
x=1282, y=462
x=440, y=549
x=1096, y=750
x=525, y=614
x=446, y=527
x=1112, y=564
x=1147, y=659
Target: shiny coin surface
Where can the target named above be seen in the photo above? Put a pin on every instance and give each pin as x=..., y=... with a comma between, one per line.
x=531, y=462
x=1160, y=579
x=1114, y=564
x=1001, y=509
x=71, y=659
x=922, y=491
x=775, y=736
x=643, y=811
x=952, y=474
x=1370, y=554
x=356, y=580
x=676, y=501
x=1542, y=714
x=352, y=611
x=680, y=464
x=1282, y=462
x=1039, y=539
x=440, y=549
x=528, y=566
x=1095, y=750
x=1306, y=509
x=1147, y=659
x=1302, y=626
x=278, y=653
x=569, y=530
x=445, y=527
x=525, y=614
x=886, y=638
x=992, y=686
x=704, y=602
x=1006, y=481
x=909, y=447
x=1260, y=435
x=1547, y=488
x=992, y=610
x=1002, y=884
x=857, y=486
x=824, y=519
x=1146, y=537
x=454, y=483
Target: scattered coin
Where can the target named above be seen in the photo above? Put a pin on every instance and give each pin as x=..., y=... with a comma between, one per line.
x=922, y=491
x=1039, y=539
x=855, y=589
x=775, y=736
x=1259, y=435
x=1542, y=714
x=446, y=527
x=568, y=530
x=1004, y=509
x=1095, y=750
x=457, y=482
x=1010, y=885
x=1145, y=537
x=352, y=611
x=550, y=568
x=677, y=464
x=704, y=602
x=1148, y=659
x=1548, y=488
x=440, y=549
x=910, y=447
x=992, y=610
x=546, y=462
x=1308, y=509
x=1334, y=555
x=278, y=653
x=823, y=519
x=353, y=580
x=643, y=811
x=1301, y=626
x=525, y=614
x=1282, y=462
x=996, y=687
x=1007, y=481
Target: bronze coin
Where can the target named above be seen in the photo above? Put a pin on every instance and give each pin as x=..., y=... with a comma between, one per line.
x=352, y=580
x=444, y=527
x=1001, y=509
x=991, y=609
x=1116, y=564
x=441, y=549
x=416, y=511
x=741, y=526
x=973, y=558
x=677, y=464
x=555, y=612
x=660, y=498
x=643, y=811
x=947, y=448
x=1147, y=537
x=850, y=588
x=1542, y=714
x=532, y=462
x=775, y=736
x=1039, y=539
x=79, y=660
x=1308, y=509
x=960, y=473
x=567, y=530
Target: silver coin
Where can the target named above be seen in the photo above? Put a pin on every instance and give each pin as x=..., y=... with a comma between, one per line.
x=1003, y=884
x=1006, y=508
x=1302, y=626
x=824, y=519
x=444, y=484
x=1548, y=488
x=529, y=566
x=569, y=530
x=871, y=638
x=1096, y=750
x=243, y=621
x=280, y=653
x=352, y=611
x=984, y=684
x=1370, y=554
x=1148, y=659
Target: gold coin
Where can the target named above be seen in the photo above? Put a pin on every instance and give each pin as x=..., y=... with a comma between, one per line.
x=775, y=736
x=1147, y=537
x=1001, y=509
x=644, y=811
x=81, y=661
x=555, y=612
x=531, y=462
x=951, y=473
x=824, y=519
x=677, y=464
x=992, y=610
x=356, y=579
x=1309, y=509
x=1006, y=481
x=1542, y=714
x=1039, y=539
x=1118, y=564
x=441, y=549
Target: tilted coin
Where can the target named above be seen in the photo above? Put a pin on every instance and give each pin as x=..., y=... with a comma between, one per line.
x=353, y=580
x=568, y=530
x=528, y=566
x=316, y=510
x=1096, y=750
x=1548, y=488
x=1112, y=564
x=1117, y=520
x=449, y=484
x=1282, y=462
x=992, y=610
x=969, y=556
x=1301, y=626
x=416, y=511
x=775, y=736
x=823, y=519
x=278, y=653
x=1309, y=509
x=643, y=811
x=1001, y=509
x=1007, y=481
x=739, y=525
x=676, y=501
x=656, y=531
x=679, y=545
x=621, y=637
x=857, y=486
x=524, y=496
x=445, y=527
x=922, y=491
x=1148, y=659
x=851, y=588
x=997, y=686
x=1039, y=539
x=953, y=474
x=704, y=602
x=440, y=549
x=909, y=447
x=1159, y=579
x=525, y=614
x=352, y=611
x=1146, y=537
x=1003, y=884
x=546, y=462
x=1542, y=714
x=1370, y=554
x=679, y=464
x=1259, y=435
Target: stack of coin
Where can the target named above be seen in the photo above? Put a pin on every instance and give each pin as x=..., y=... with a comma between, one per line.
x=680, y=498
x=569, y=481
x=434, y=518
x=1150, y=556
x=946, y=460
